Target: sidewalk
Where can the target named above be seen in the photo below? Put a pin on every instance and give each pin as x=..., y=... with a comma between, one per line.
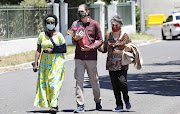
x=68, y=57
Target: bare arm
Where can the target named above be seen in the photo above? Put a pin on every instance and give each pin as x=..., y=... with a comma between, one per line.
x=37, y=55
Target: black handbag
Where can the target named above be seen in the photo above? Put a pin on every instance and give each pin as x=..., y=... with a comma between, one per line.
x=57, y=49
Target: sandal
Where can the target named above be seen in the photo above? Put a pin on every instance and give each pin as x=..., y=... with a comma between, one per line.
x=53, y=110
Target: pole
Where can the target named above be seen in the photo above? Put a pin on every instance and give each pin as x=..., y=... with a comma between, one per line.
x=142, y=19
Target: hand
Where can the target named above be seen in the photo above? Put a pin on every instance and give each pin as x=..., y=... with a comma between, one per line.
x=86, y=48
x=127, y=48
x=78, y=36
x=35, y=68
x=49, y=50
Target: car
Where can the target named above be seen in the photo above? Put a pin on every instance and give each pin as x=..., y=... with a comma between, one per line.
x=171, y=28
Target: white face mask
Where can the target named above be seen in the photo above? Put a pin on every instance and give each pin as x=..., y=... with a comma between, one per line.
x=50, y=26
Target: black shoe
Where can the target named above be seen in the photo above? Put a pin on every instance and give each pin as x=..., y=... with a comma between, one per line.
x=57, y=108
x=118, y=109
x=53, y=110
x=128, y=105
x=98, y=106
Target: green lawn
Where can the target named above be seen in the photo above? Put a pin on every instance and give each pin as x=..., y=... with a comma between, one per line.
x=139, y=36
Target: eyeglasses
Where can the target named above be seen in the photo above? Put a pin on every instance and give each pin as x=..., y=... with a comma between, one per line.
x=115, y=25
x=49, y=22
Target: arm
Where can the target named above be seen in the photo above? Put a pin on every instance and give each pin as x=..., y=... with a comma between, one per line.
x=37, y=55
x=61, y=48
x=103, y=48
x=77, y=36
x=127, y=47
x=99, y=39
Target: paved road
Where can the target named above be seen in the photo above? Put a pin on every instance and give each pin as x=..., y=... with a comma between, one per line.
x=152, y=90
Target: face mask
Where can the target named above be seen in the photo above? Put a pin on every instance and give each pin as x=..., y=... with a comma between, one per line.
x=50, y=26
x=81, y=15
x=115, y=29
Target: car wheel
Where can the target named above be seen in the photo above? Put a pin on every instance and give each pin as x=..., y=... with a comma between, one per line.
x=173, y=37
x=163, y=36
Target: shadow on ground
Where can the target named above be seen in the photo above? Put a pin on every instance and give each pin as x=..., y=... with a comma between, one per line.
x=176, y=62
x=157, y=83
x=38, y=111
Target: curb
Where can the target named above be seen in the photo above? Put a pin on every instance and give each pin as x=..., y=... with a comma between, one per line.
x=68, y=58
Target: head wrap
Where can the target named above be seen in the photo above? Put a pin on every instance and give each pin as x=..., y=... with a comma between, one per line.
x=50, y=18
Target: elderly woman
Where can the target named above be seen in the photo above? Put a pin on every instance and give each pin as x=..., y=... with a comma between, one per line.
x=52, y=65
x=115, y=43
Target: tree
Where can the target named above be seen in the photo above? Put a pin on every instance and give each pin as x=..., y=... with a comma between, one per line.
x=37, y=3
x=10, y=2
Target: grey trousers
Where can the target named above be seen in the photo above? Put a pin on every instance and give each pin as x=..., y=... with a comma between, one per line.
x=91, y=67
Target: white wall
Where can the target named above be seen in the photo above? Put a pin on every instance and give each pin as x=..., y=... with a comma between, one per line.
x=160, y=6
x=21, y=45
x=17, y=46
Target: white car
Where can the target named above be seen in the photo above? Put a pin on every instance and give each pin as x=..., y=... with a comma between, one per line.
x=171, y=28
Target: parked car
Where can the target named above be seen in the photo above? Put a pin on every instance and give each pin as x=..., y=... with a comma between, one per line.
x=171, y=28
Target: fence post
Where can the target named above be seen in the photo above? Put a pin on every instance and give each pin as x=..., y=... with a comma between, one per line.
x=142, y=19
x=112, y=10
x=102, y=16
x=7, y=23
x=133, y=11
x=24, y=24
x=56, y=12
x=64, y=17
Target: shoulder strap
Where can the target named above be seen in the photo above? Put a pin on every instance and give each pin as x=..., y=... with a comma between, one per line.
x=50, y=37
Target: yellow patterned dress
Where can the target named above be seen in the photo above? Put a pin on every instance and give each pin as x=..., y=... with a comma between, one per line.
x=51, y=73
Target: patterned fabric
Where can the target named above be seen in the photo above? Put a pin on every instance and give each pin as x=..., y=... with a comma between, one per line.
x=114, y=48
x=51, y=73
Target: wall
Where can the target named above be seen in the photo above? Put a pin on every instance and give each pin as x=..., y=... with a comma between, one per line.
x=160, y=6
x=17, y=46
x=22, y=45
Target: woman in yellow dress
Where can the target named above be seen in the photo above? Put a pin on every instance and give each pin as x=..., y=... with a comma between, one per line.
x=51, y=68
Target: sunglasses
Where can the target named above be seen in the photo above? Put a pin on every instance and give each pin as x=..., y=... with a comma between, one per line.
x=115, y=25
x=50, y=22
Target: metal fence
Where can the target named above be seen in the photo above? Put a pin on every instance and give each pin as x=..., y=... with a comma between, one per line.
x=124, y=10
x=72, y=14
x=21, y=21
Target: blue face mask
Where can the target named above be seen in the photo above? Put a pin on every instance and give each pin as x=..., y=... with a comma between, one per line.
x=50, y=26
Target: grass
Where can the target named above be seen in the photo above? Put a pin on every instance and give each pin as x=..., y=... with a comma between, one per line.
x=26, y=57
x=140, y=36
x=29, y=56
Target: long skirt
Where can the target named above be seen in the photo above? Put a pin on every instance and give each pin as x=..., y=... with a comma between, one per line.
x=50, y=78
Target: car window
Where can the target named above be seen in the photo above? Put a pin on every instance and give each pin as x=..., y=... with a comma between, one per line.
x=169, y=19
x=177, y=17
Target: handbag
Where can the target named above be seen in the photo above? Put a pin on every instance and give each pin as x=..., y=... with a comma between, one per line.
x=57, y=49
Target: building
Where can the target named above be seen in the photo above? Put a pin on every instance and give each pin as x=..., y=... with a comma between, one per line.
x=165, y=7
